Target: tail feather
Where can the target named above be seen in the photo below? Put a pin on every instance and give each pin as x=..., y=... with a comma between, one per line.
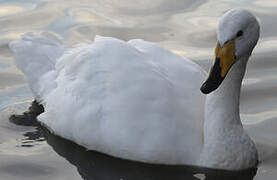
x=36, y=57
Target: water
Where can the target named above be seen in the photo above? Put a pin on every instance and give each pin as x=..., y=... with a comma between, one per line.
x=186, y=27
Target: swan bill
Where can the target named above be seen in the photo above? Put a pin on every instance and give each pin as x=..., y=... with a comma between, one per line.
x=224, y=59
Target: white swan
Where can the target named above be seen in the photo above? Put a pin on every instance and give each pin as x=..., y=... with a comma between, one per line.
x=138, y=101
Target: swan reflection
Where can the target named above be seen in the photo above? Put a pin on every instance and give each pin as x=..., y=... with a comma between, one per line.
x=97, y=166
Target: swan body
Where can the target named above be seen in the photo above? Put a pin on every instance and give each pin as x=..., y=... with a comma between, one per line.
x=121, y=98
x=138, y=101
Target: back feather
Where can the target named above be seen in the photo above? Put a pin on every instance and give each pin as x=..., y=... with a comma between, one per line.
x=36, y=57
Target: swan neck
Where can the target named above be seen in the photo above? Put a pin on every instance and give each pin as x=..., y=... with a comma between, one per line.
x=223, y=130
x=222, y=105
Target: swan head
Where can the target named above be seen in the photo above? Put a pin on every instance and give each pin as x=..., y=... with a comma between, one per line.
x=237, y=35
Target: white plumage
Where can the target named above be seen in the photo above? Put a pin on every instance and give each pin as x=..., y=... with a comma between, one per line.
x=134, y=100
x=127, y=99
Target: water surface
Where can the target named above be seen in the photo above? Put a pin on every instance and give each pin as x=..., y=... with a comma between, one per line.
x=186, y=27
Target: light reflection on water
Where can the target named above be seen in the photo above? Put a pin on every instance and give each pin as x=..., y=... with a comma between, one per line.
x=186, y=27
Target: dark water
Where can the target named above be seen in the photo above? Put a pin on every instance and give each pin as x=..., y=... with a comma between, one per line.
x=93, y=165
x=186, y=27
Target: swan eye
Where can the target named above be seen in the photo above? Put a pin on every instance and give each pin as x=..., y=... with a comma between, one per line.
x=239, y=33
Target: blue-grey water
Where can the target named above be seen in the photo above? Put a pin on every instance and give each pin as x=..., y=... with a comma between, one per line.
x=186, y=27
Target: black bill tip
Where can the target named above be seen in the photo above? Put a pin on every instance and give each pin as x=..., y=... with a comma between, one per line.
x=214, y=79
x=206, y=88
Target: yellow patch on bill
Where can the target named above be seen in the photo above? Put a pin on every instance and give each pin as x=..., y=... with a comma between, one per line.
x=226, y=55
